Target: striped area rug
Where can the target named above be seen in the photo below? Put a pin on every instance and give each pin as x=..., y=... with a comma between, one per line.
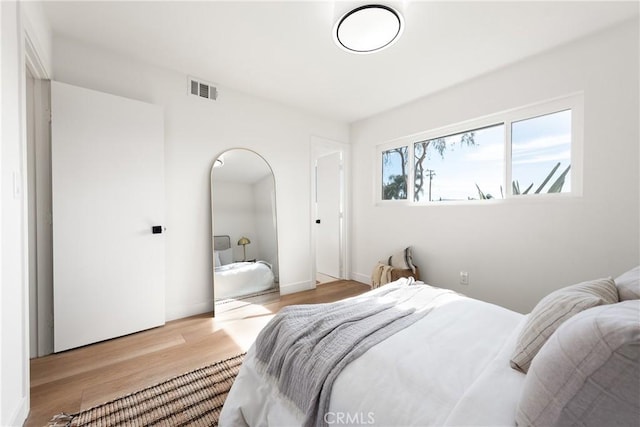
x=191, y=399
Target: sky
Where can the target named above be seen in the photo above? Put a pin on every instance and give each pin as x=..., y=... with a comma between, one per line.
x=538, y=144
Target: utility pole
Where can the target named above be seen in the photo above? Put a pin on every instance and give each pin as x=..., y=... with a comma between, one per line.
x=431, y=173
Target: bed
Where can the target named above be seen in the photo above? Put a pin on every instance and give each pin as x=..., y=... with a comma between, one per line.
x=234, y=279
x=452, y=365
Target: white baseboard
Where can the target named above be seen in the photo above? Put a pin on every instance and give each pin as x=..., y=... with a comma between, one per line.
x=21, y=412
x=362, y=278
x=296, y=287
x=182, y=311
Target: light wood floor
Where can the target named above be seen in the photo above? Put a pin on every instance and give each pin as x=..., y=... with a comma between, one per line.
x=81, y=378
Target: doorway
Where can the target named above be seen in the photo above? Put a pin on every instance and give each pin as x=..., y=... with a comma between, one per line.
x=329, y=210
x=38, y=173
x=30, y=82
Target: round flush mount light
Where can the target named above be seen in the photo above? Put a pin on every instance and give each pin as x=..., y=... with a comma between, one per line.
x=368, y=29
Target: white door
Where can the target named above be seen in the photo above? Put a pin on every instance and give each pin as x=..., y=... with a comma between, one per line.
x=328, y=221
x=107, y=160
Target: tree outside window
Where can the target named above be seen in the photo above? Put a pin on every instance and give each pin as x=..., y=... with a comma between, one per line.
x=394, y=173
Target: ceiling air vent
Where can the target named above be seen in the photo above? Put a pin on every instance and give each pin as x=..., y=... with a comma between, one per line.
x=202, y=89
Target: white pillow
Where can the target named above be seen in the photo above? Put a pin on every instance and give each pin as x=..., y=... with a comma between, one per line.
x=402, y=260
x=226, y=256
x=628, y=284
x=555, y=309
x=218, y=263
x=587, y=373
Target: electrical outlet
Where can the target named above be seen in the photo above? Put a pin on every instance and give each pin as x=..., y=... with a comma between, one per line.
x=464, y=278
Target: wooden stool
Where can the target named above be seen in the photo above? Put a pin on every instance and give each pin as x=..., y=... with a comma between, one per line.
x=397, y=273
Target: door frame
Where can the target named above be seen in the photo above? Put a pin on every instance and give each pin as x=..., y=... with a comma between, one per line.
x=320, y=147
x=40, y=303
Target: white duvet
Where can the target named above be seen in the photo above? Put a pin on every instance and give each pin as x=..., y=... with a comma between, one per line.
x=242, y=278
x=449, y=368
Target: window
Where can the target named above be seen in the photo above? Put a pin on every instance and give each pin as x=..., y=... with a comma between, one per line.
x=394, y=173
x=529, y=151
x=454, y=167
x=541, y=154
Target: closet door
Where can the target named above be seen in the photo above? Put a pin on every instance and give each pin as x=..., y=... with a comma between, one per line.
x=107, y=161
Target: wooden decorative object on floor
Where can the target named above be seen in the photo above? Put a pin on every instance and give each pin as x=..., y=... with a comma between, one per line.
x=398, y=273
x=194, y=398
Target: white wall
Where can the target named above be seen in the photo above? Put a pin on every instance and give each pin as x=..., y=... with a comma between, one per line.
x=233, y=207
x=14, y=323
x=243, y=209
x=38, y=32
x=196, y=132
x=517, y=252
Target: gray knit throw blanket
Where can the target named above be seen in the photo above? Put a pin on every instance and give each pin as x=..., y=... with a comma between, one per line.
x=305, y=347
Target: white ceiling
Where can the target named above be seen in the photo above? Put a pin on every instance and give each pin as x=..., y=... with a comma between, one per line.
x=283, y=51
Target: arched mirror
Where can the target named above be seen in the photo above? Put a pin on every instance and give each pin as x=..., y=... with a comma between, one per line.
x=243, y=212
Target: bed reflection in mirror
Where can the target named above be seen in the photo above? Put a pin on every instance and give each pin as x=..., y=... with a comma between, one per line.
x=243, y=212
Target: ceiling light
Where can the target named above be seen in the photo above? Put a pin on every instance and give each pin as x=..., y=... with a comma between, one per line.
x=368, y=29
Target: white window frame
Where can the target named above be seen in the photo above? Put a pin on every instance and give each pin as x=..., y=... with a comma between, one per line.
x=573, y=102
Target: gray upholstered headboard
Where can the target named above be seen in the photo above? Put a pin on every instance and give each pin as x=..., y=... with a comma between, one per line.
x=220, y=243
